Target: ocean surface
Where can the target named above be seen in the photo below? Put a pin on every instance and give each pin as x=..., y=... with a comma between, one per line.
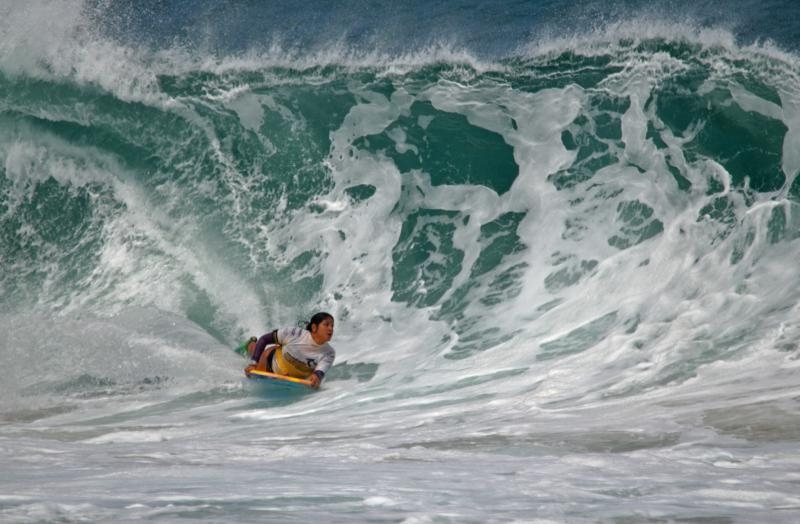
x=561, y=241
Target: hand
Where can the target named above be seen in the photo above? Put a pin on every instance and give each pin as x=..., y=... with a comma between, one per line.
x=314, y=379
x=249, y=368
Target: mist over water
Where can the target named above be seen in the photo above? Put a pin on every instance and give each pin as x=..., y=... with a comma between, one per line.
x=561, y=257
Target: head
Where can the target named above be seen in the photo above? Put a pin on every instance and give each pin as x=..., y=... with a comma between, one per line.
x=321, y=327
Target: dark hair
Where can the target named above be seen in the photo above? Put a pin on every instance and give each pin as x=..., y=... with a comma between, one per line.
x=318, y=318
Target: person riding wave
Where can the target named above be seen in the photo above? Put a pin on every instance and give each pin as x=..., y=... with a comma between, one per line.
x=295, y=352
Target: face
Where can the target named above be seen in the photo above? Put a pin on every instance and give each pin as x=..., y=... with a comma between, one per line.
x=323, y=331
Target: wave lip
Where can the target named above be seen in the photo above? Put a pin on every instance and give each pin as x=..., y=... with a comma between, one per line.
x=123, y=48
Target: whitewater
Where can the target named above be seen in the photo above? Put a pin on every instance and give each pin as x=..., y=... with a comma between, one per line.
x=560, y=242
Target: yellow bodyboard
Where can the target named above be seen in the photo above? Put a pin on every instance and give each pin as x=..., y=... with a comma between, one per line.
x=280, y=378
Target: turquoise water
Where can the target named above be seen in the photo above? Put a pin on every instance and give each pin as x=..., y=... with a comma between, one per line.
x=562, y=261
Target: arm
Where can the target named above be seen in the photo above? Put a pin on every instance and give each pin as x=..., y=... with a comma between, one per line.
x=323, y=366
